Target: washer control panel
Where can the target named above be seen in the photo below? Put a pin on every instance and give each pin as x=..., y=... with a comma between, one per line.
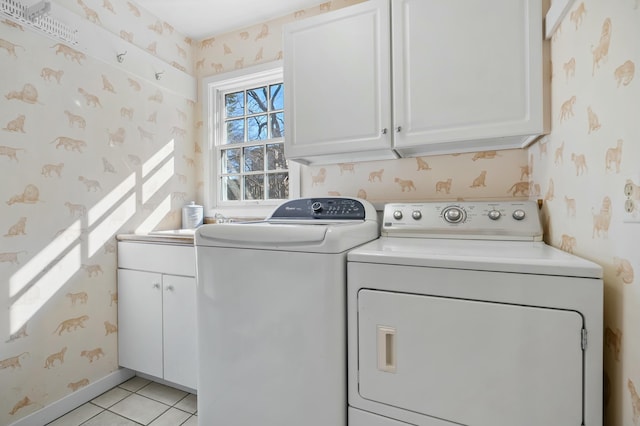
x=320, y=209
x=500, y=220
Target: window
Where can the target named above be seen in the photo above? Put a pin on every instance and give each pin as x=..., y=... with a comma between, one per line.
x=245, y=114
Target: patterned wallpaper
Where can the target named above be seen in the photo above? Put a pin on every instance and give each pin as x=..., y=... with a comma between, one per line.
x=135, y=25
x=582, y=167
x=86, y=151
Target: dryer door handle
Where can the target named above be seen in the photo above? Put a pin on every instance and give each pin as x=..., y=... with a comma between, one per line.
x=387, y=360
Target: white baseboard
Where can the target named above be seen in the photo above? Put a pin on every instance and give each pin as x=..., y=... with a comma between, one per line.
x=76, y=399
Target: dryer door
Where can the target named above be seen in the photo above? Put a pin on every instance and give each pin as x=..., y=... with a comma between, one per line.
x=471, y=362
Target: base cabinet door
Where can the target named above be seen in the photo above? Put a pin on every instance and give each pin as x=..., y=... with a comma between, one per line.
x=180, y=332
x=140, y=321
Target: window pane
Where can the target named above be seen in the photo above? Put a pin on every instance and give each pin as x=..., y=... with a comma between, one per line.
x=231, y=160
x=254, y=187
x=278, y=186
x=257, y=100
x=277, y=125
x=277, y=96
x=257, y=128
x=254, y=159
x=234, y=104
x=275, y=157
x=235, y=131
x=230, y=190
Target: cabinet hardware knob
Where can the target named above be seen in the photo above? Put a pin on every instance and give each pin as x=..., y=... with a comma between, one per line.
x=156, y=285
x=398, y=129
x=170, y=288
x=384, y=131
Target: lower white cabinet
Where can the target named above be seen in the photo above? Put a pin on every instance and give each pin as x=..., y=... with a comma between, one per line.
x=157, y=328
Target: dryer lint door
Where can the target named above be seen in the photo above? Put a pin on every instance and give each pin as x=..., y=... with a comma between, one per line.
x=471, y=362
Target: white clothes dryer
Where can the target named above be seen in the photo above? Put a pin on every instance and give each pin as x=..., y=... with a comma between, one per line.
x=272, y=314
x=460, y=315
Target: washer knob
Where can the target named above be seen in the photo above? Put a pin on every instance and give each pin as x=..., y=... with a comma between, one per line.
x=453, y=214
x=397, y=215
x=417, y=214
x=494, y=215
x=519, y=214
x=316, y=207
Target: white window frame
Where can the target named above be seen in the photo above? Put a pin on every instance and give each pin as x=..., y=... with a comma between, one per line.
x=213, y=131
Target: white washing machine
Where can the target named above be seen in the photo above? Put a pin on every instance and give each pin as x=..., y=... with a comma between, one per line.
x=272, y=314
x=460, y=315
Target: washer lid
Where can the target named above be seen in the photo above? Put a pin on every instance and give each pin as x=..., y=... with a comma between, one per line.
x=314, y=225
x=312, y=238
x=483, y=255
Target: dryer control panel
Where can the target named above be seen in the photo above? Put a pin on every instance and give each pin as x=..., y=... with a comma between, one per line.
x=500, y=220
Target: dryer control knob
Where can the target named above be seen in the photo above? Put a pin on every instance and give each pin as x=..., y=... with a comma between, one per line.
x=417, y=214
x=494, y=215
x=519, y=214
x=453, y=214
x=397, y=215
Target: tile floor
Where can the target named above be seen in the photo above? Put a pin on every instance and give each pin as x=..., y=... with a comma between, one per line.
x=135, y=402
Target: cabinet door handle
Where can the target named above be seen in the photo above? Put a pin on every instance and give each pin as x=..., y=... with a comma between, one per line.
x=156, y=285
x=169, y=288
x=384, y=131
x=398, y=129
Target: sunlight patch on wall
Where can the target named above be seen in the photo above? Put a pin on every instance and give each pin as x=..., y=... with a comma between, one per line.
x=111, y=203
x=111, y=224
x=155, y=217
x=108, y=202
x=44, y=259
x=39, y=293
x=158, y=176
x=156, y=181
x=157, y=158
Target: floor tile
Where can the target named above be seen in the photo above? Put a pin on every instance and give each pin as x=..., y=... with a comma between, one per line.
x=189, y=403
x=171, y=417
x=107, y=418
x=193, y=421
x=142, y=410
x=77, y=416
x=111, y=397
x=165, y=394
x=134, y=384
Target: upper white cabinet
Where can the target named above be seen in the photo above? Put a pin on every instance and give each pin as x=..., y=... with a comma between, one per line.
x=337, y=91
x=414, y=77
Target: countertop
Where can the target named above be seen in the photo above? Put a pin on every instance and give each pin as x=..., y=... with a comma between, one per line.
x=173, y=236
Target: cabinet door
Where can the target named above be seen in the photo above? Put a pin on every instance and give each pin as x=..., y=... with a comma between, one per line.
x=466, y=75
x=337, y=80
x=180, y=330
x=140, y=321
